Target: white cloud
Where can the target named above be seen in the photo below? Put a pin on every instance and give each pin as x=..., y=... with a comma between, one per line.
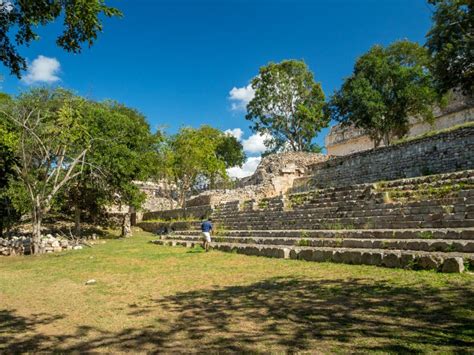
x=236, y=132
x=247, y=169
x=240, y=97
x=43, y=70
x=6, y=6
x=255, y=143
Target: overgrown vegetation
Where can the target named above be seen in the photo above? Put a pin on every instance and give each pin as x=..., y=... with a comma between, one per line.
x=388, y=85
x=288, y=107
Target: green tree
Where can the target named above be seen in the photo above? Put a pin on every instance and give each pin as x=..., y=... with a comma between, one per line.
x=50, y=149
x=387, y=86
x=19, y=20
x=288, y=105
x=451, y=44
x=196, y=154
x=124, y=151
x=8, y=213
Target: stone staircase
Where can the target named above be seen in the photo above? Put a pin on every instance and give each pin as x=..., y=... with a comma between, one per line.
x=417, y=223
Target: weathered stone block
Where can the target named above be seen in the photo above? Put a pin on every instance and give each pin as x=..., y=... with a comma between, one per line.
x=407, y=261
x=294, y=254
x=338, y=256
x=306, y=254
x=391, y=260
x=428, y=262
x=453, y=265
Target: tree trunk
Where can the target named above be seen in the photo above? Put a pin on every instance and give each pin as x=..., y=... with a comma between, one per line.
x=126, y=224
x=37, y=218
x=77, y=221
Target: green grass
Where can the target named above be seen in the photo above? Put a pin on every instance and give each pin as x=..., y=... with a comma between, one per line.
x=154, y=298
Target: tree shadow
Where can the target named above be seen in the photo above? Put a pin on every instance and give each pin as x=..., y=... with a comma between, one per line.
x=13, y=329
x=287, y=314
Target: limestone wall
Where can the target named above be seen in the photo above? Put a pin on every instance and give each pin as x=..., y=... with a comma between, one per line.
x=344, y=140
x=194, y=212
x=441, y=153
x=274, y=176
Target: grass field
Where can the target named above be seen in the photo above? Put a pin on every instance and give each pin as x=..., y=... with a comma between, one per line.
x=154, y=298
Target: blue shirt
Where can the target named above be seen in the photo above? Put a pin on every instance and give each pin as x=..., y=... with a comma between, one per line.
x=206, y=226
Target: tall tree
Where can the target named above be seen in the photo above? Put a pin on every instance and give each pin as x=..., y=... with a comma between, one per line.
x=195, y=154
x=288, y=105
x=20, y=18
x=50, y=148
x=124, y=151
x=451, y=44
x=387, y=86
x=7, y=161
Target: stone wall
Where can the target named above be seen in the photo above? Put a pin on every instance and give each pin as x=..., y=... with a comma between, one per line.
x=344, y=140
x=20, y=245
x=441, y=153
x=274, y=176
x=195, y=212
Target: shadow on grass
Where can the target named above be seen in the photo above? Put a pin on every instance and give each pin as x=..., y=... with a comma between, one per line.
x=286, y=314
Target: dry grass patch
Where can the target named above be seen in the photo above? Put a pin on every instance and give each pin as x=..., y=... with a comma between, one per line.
x=150, y=297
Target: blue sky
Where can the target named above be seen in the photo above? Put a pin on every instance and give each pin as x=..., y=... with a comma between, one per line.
x=177, y=60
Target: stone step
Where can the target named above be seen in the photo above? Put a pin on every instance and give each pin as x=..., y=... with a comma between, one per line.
x=379, y=222
x=431, y=179
x=465, y=205
x=425, y=234
x=441, y=245
x=445, y=262
x=412, y=192
x=370, y=210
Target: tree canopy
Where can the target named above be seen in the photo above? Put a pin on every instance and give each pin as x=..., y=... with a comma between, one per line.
x=63, y=144
x=288, y=106
x=451, y=44
x=19, y=20
x=194, y=155
x=387, y=86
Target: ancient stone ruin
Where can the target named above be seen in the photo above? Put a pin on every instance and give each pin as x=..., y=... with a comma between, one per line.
x=409, y=205
x=343, y=140
x=21, y=245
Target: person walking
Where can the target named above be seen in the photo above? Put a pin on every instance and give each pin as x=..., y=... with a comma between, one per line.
x=206, y=228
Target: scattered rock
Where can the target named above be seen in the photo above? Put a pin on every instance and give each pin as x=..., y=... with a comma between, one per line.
x=91, y=282
x=20, y=245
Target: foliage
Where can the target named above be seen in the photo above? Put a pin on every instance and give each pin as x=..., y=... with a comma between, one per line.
x=124, y=151
x=451, y=44
x=77, y=153
x=8, y=214
x=288, y=105
x=388, y=85
x=81, y=22
x=198, y=155
x=49, y=150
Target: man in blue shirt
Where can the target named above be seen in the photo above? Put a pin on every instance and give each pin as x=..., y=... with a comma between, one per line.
x=206, y=228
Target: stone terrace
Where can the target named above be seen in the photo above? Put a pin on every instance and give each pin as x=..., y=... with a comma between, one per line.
x=423, y=222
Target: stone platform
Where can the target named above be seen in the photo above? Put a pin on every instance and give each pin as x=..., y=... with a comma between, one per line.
x=417, y=223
